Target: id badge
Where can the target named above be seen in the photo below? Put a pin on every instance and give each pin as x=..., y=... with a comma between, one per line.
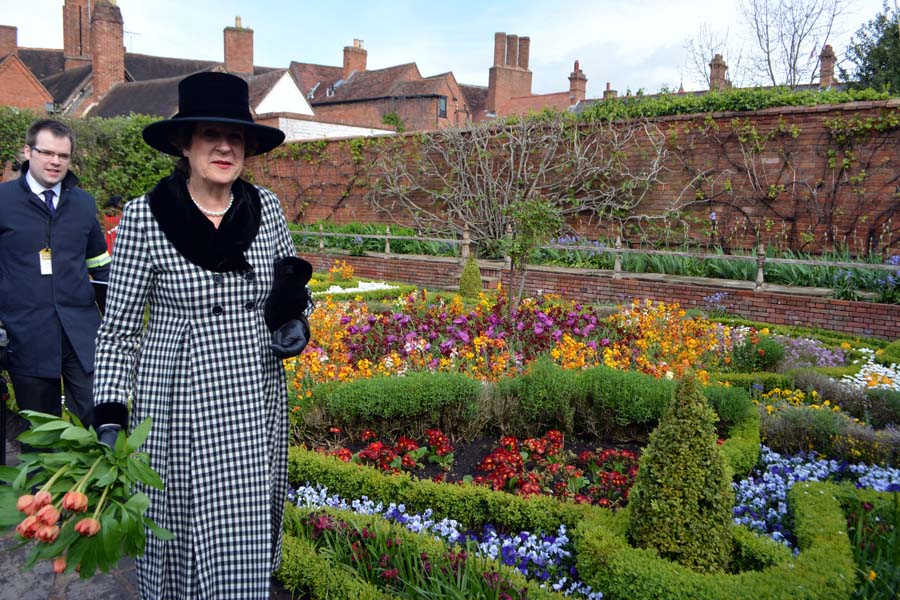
x=46, y=262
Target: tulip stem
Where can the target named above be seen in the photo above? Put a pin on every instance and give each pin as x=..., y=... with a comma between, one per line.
x=54, y=477
x=102, y=500
x=83, y=481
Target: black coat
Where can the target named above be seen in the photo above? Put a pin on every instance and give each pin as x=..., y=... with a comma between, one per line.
x=35, y=308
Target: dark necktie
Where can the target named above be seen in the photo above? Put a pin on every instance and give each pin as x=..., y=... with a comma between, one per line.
x=48, y=200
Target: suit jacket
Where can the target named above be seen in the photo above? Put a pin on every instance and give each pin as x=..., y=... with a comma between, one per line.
x=36, y=309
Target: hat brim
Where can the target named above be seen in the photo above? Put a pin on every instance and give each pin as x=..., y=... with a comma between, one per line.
x=159, y=135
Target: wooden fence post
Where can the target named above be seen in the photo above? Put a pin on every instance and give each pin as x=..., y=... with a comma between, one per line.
x=617, y=266
x=465, y=250
x=760, y=264
x=387, y=240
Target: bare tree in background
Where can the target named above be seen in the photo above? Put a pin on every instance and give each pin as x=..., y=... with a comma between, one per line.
x=787, y=38
x=700, y=50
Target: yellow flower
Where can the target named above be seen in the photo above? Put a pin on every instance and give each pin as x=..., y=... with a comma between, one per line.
x=764, y=331
x=872, y=575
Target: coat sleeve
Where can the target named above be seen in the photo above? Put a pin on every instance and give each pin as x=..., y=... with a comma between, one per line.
x=97, y=254
x=120, y=334
x=285, y=247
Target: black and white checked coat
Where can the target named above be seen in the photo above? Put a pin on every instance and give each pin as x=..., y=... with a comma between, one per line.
x=203, y=370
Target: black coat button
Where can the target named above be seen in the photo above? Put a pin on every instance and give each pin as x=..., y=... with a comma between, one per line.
x=250, y=276
x=217, y=310
x=218, y=278
x=250, y=305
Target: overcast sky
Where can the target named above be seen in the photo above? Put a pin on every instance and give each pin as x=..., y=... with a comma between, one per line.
x=631, y=44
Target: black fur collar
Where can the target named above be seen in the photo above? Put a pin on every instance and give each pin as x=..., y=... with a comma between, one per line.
x=194, y=236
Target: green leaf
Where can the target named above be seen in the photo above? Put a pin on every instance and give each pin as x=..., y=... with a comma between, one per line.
x=139, y=435
x=38, y=439
x=105, y=475
x=160, y=532
x=138, y=503
x=9, y=516
x=142, y=471
x=77, y=434
x=8, y=474
x=52, y=426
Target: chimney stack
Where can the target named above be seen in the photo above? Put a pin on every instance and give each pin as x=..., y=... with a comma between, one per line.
x=107, y=48
x=239, y=49
x=577, y=85
x=826, y=67
x=717, y=70
x=509, y=77
x=9, y=40
x=609, y=93
x=524, y=50
x=354, y=59
x=76, y=33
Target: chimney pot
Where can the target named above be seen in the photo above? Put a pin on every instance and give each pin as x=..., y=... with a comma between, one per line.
x=826, y=67
x=717, y=69
x=237, y=22
x=107, y=48
x=9, y=43
x=524, y=51
x=499, y=49
x=354, y=59
x=512, y=50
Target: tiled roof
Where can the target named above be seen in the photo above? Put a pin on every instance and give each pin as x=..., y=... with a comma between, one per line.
x=423, y=87
x=309, y=76
x=529, y=104
x=43, y=62
x=476, y=98
x=261, y=85
x=143, y=67
x=156, y=97
x=65, y=83
x=368, y=85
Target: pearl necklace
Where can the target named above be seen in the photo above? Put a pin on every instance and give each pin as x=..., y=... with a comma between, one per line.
x=212, y=213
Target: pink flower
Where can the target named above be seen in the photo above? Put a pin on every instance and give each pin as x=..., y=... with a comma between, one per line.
x=42, y=499
x=88, y=527
x=48, y=515
x=59, y=565
x=47, y=533
x=75, y=501
x=28, y=527
x=25, y=504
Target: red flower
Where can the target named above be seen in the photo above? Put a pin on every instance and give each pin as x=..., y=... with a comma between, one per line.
x=75, y=501
x=48, y=515
x=88, y=527
x=42, y=499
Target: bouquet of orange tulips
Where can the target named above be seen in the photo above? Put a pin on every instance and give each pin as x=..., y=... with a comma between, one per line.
x=77, y=503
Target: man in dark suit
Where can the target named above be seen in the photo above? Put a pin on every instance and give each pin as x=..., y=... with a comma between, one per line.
x=50, y=241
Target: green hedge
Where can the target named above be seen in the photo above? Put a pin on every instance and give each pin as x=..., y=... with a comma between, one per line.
x=768, y=381
x=823, y=570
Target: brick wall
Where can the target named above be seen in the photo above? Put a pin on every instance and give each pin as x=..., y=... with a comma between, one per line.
x=19, y=88
x=107, y=49
x=239, y=50
x=860, y=318
x=795, y=193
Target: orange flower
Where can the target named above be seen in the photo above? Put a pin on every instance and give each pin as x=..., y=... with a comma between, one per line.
x=75, y=501
x=88, y=527
x=48, y=515
x=28, y=527
x=47, y=533
x=59, y=565
x=25, y=504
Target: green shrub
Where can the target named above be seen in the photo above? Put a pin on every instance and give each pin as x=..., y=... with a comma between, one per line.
x=753, y=382
x=732, y=404
x=754, y=354
x=544, y=398
x=408, y=404
x=741, y=448
x=884, y=408
x=793, y=429
x=681, y=502
x=890, y=355
x=470, y=284
x=609, y=401
x=849, y=397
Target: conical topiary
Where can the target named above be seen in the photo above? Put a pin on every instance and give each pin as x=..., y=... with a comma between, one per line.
x=470, y=284
x=682, y=500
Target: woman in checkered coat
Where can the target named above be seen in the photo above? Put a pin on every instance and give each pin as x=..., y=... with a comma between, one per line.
x=212, y=257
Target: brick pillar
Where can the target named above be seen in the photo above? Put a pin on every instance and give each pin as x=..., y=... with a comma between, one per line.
x=239, y=49
x=9, y=37
x=354, y=59
x=107, y=48
x=577, y=85
x=717, y=70
x=499, y=49
x=609, y=93
x=76, y=33
x=512, y=50
x=524, y=51
x=826, y=67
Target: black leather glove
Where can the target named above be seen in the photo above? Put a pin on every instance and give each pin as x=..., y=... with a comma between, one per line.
x=108, y=434
x=289, y=297
x=291, y=338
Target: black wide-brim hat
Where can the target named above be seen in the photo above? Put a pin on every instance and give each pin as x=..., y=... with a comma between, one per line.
x=212, y=98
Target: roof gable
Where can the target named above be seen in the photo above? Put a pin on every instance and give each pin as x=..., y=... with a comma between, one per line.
x=277, y=92
x=368, y=85
x=13, y=73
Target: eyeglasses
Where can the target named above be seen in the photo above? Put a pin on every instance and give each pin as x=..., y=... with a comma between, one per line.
x=62, y=156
